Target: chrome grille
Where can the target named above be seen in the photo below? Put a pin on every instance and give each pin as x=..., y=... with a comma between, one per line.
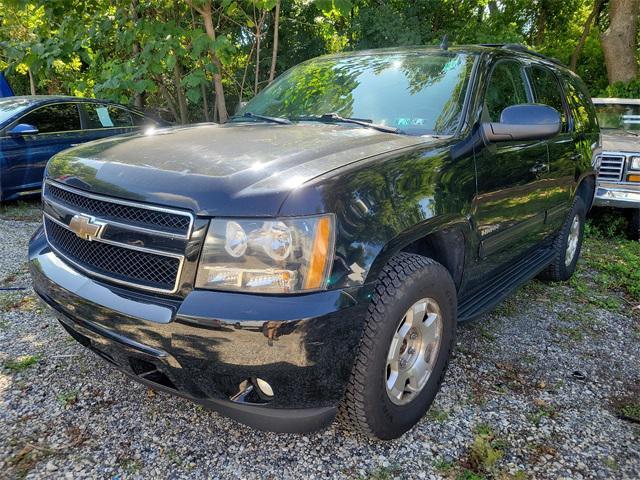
x=117, y=263
x=611, y=167
x=142, y=217
x=138, y=245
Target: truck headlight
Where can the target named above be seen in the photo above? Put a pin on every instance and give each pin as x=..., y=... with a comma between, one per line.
x=634, y=163
x=284, y=255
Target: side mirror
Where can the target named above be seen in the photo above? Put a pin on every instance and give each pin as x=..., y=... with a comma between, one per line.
x=527, y=121
x=23, y=129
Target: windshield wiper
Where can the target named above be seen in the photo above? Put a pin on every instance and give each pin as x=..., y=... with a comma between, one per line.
x=334, y=117
x=264, y=118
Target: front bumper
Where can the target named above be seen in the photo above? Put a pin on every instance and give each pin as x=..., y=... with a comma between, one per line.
x=620, y=195
x=211, y=346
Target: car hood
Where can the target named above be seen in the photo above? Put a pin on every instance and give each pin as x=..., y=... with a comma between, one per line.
x=233, y=169
x=620, y=142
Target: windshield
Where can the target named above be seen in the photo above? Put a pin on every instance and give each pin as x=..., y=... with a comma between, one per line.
x=619, y=116
x=417, y=93
x=12, y=106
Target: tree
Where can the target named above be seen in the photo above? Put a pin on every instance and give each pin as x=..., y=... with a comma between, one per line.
x=620, y=40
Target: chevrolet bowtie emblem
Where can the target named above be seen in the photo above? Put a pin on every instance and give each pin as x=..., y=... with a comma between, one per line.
x=85, y=227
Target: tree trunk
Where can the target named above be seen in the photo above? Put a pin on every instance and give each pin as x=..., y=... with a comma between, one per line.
x=182, y=101
x=221, y=105
x=585, y=33
x=205, y=103
x=259, y=26
x=274, y=54
x=32, y=83
x=619, y=41
x=138, y=97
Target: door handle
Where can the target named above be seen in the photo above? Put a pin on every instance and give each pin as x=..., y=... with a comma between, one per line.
x=539, y=168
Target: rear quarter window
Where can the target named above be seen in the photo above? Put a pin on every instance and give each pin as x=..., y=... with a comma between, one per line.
x=107, y=116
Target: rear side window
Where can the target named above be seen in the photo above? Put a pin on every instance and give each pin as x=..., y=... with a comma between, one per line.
x=548, y=91
x=107, y=116
x=506, y=87
x=61, y=117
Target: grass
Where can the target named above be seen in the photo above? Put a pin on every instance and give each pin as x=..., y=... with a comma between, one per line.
x=21, y=364
x=20, y=210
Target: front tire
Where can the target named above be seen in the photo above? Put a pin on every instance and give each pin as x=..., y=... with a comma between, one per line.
x=405, y=348
x=567, y=245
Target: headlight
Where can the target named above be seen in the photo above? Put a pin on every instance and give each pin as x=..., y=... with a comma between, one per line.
x=285, y=255
x=635, y=163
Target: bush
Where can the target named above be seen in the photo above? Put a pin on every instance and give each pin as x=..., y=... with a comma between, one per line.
x=623, y=90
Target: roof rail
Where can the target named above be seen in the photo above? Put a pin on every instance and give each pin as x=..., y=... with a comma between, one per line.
x=516, y=47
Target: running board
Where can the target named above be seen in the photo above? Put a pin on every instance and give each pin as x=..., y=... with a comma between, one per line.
x=504, y=284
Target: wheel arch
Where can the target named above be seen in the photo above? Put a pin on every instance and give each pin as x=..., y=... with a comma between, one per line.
x=444, y=242
x=586, y=188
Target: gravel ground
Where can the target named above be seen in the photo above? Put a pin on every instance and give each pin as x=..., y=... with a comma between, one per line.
x=533, y=392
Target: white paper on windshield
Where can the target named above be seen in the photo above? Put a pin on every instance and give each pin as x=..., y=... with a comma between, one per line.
x=103, y=115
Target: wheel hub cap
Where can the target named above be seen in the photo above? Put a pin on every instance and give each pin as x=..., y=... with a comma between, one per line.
x=572, y=241
x=413, y=351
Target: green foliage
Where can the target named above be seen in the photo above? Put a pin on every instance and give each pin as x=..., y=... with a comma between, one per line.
x=623, y=90
x=21, y=364
x=157, y=53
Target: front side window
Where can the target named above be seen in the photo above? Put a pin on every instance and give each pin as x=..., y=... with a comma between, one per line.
x=506, y=87
x=61, y=117
x=418, y=93
x=582, y=110
x=547, y=90
x=107, y=116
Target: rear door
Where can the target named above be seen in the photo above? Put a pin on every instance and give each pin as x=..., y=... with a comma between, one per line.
x=509, y=205
x=26, y=156
x=557, y=178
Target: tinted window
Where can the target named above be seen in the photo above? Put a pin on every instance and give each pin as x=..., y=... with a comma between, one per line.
x=506, y=88
x=547, y=90
x=417, y=93
x=582, y=110
x=60, y=117
x=107, y=116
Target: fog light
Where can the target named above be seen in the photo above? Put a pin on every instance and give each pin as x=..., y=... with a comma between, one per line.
x=264, y=388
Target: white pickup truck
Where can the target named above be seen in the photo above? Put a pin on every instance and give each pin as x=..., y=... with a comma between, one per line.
x=619, y=165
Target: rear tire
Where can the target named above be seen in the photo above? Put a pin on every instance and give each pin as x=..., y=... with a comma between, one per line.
x=410, y=323
x=567, y=245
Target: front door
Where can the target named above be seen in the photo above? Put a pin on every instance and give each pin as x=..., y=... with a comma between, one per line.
x=509, y=209
x=26, y=156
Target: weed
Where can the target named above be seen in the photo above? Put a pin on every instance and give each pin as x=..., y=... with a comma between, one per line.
x=68, y=398
x=437, y=415
x=130, y=466
x=543, y=410
x=443, y=466
x=385, y=473
x=21, y=363
x=610, y=463
x=469, y=475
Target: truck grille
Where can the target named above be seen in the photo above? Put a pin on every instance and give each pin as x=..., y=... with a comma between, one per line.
x=611, y=167
x=116, y=263
x=146, y=250
x=142, y=217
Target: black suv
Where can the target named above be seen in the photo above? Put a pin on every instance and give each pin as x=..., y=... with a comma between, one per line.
x=312, y=256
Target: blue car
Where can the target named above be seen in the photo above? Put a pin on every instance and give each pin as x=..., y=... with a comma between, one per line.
x=34, y=128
